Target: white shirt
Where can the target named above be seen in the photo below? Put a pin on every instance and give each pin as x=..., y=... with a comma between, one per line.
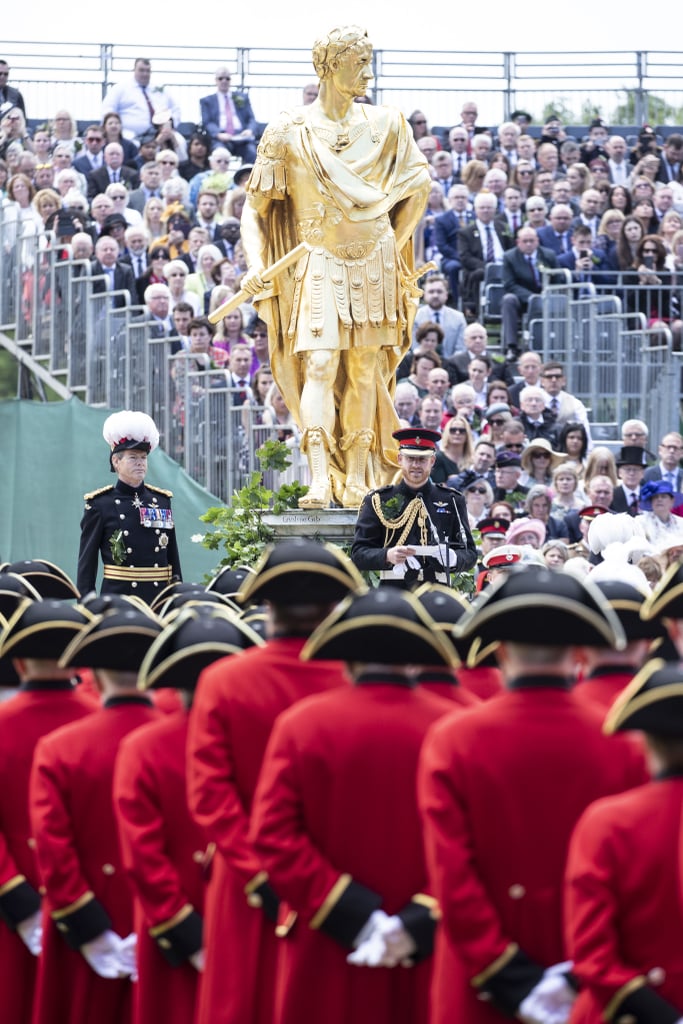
x=128, y=101
x=483, y=230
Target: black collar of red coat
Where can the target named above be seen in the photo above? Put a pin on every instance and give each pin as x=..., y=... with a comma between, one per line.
x=541, y=682
x=387, y=678
x=115, y=702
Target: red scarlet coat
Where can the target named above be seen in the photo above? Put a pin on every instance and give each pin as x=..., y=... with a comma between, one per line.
x=623, y=910
x=36, y=710
x=604, y=685
x=335, y=821
x=444, y=684
x=164, y=852
x=80, y=864
x=484, y=681
x=500, y=789
x=236, y=703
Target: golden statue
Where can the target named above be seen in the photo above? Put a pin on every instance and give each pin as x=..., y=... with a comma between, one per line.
x=347, y=180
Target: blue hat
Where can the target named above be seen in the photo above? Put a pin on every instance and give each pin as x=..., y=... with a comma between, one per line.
x=651, y=489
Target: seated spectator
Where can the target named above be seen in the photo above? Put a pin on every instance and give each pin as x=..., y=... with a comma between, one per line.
x=669, y=226
x=480, y=468
x=195, y=240
x=446, y=227
x=43, y=176
x=183, y=314
x=198, y=149
x=151, y=218
x=168, y=165
x=136, y=243
x=522, y=277
x=13, y=132
x=536, y=419
x=580, y=179
x=649, y=288
x=565, y=407
x=497, y=416
x=119, y=197
x=523, y=177
x=159, y=256
x=428, y=145
x=508, y=487
x=219, y=163
x=18, y=206
x=555, y=554
x=475, y=339
x=537, y=505
x=424, y=360
x=567, y=495
x=538, y=462
x=435, y=311
x=150, y=186
x=535, y=210
x=635, y=432
x=224, y=273
x=556, y=235
x=277, y=415
x=178, y=223
x=231, y=332
x=573, y=440
x=644, y=211
x=463, y=402
x=430, y=412
x=63, y=130
x=502, y=510
x=418, y=124
x=167, y=138
x=228, y=119
x=201, y=282
x=424, y=236
x=478, y=372
x=438, y=384
x=510, y=219
x=479, y=243
x=600, y=462
x=608, y=235
x=112, y=274
x=234, y=202
x=115, y=226
x=659, y=524
x=429, y=337
x=455, y=449
x=112, y=170
x=175, y=273
x=406, y=404
x=69, y=179
x=46, y=203
x=631, y=464
x=478, y=498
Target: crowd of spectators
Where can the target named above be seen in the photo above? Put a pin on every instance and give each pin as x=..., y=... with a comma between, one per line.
x=157, y=218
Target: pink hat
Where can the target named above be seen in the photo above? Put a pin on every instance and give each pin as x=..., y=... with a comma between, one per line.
x=525, y=525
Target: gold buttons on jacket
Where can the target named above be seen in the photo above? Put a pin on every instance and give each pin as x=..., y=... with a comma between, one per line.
x=254, y=900
x=656, y=976
x=108, y=869
x=516, y=891
x=31, y=843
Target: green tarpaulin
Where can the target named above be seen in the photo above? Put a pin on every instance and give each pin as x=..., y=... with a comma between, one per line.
x=51, y=453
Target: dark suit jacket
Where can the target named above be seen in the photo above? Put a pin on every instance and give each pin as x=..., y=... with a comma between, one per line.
x=655, y=473
x=98, y=180
x=457, y=369
x=137, y=199
x=547, y=429
x=82, y=165
x=124, y=278
x=619, y=502
x=518, y=277
x=446, y=230
x=12, y=98
x=210, y=115
x=470, y=247
x=663, y=171
x=549, y=240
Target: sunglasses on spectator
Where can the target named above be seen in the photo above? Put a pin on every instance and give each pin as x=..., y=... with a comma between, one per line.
x=514, y=448
x=166, y=162
x=552, y=376
x=476, y=490
x=458, y=430
x=496, y=423
x=650, y=252
x=223, y=78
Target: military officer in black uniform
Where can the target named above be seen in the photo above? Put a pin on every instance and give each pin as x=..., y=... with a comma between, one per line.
x=415, y=531
x=129, y=524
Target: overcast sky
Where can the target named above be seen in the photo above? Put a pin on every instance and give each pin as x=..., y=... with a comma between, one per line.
x=489, y=25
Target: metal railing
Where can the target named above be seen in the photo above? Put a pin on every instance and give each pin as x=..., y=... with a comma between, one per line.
x=53, y=318
x=77, y=76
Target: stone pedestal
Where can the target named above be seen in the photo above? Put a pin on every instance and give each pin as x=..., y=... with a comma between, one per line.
x=335, y=525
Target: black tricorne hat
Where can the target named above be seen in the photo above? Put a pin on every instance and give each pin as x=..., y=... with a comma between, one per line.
x=117, y=640
x=229, y=580
x=383, y=625
x=192, y=641
x=42, y=629
x=301, y=572
x=191, y=598
x=45, y=577
x=627, y=600
x=652, y=702
x=535, y=605
x=13, y=590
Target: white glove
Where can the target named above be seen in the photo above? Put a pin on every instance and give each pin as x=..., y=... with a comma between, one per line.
x=198, y=960
x=128, y=955
x=401, y=568
x=551, y=1000
x=369, y=945
x=400, y=943
x=442, y=553
x=30, y=931
x=109, y=955
x=384, y=942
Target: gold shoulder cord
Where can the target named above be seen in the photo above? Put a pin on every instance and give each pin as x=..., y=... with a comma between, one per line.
x=415, y=509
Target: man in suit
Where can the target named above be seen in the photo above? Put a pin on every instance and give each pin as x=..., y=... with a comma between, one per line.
x=150, y=180
x=586, y=263
x=671, y=159
x=565, y=407
x=511, y=219
x=435, y=310
x=446, y=227
x=9, y=96
x=522, y=278
x=668, y=467
x=111, y=274
x=556, y=235
x=229, y=119
x=536, y=419
x=476, y=339
x=92, y=157
x=112, y=170
x=442, y=164
x=617, y=163
x=478, y=244
x=458, y=140
x=630, y=469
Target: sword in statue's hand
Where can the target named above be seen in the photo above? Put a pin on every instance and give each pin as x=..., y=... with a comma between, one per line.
x=266, y=276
